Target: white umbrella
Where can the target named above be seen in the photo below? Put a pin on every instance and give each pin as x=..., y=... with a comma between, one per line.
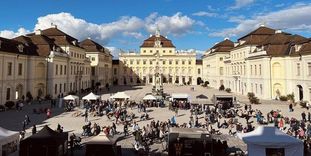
x=91, y=96
x=149, y=97
x=71, y=97
x=120, y=95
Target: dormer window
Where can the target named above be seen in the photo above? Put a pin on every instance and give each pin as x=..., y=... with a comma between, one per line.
x=74, y=42
x=20, y=48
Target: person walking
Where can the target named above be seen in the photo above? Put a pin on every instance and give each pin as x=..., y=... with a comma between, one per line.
x=303, y=116
x=27, y=119
x=86, y=116
x=34, y=129
x=48, y=113
x=291, y=107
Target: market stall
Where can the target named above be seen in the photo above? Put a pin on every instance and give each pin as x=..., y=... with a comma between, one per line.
x=9, y=141
x=270, y=141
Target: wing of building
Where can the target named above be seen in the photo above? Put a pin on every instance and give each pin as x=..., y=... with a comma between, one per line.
x=157, y=55
x=267, y=62
x=51, y=63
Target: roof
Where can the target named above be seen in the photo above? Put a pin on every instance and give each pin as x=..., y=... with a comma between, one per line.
x=262, y=30
x=198, y=62
x=91, y=46
x=16, y=46
x=223, y=46
x=58, y=36
x=151, y=41
x=47, y=133
x=280, y=44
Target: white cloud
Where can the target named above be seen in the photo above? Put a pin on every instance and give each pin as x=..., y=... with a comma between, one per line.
x=12, y=34
x=81, y=29
x=294, y=18
x=114, y=52
x=127, y=26
x=205, y=14
x=241, y=3
x=176, y=25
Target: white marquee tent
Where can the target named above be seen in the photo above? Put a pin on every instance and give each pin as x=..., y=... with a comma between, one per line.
x=149, y=97
x=120, y=95
x=91, y=96
x=180, y=96
x=9, y=141
x=71, y=97
x=262, y=139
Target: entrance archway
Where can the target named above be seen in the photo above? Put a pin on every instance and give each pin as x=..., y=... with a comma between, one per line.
x=40, y=89
x=19, y=91
x=300, y=92
x=199, y=80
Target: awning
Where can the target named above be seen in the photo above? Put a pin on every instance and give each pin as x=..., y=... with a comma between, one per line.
x=91, y=96
x=120, y=95
x=71, y=97
x=180, y=96
x=149, y=97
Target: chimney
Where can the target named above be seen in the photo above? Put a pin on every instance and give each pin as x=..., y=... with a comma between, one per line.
x=53, y=25
x=278, y=31
x=38, y=32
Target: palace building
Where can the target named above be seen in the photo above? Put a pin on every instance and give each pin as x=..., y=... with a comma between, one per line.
x=267, y=62
x=157, y=55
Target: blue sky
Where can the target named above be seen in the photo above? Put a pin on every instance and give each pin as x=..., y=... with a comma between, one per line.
x=124, y=24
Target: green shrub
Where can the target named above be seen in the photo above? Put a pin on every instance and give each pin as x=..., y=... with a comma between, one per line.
x=9, y=104
x=252, y=98
x=228, y=90
x=283, y=98
x=291, y=97
x=222, y=87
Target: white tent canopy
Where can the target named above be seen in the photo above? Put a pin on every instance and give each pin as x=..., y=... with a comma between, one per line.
x=71, y=97
x=180, y=96
x=7, y=136
x=270, y=137
x=91, y=96
x=120, y=95
x=149, y=97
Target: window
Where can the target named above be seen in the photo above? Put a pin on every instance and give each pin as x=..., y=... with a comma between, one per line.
x=55, y=88
x=137, y=62
x=260, y=69
x=71, y=69
x=61, y=69
x=298, y=69
x=189, y=62
x=176, y=62
x=244, y=69
x=144, y=51
x=144, y=61
x=170, y=51
x=221, y=59
x=131, y=61
x=150, y=51
x=170, y=62
x=310, y=93
x=93, y=71
x=163, y=62
x=20, y=69
x=64, y=87
x=199, y=71
x=255, y=69
x=56, y=70
x=309, y=68
x=115, y=71
x=10, y=68
x=150, y=62
x=60, y=88
x=8, y=93
x=163, y=51
x=183, y=62
x=260, y=89
x=221, y=71
x=65, y=69
x=251, y=69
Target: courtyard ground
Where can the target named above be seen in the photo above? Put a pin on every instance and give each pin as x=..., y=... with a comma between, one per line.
x=13, y=119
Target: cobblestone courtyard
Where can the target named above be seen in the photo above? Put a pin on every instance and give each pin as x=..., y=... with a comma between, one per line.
x=12, y=119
